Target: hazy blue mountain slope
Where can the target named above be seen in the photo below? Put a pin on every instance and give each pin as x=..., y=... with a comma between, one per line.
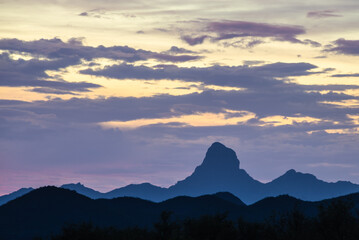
x=6, y=198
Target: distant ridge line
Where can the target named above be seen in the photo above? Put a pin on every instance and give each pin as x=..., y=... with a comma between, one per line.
x=220, y=172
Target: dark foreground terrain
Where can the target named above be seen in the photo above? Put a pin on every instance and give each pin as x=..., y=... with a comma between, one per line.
x=336, y=222
x=44, y=212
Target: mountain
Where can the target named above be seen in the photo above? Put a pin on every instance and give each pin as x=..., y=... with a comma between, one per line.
x=6, y=198
x=144, y=191
x=220, y=172
x=81, y=189
x=307, y=187
x=230, y=198
x=45, y=210
x=42, y=212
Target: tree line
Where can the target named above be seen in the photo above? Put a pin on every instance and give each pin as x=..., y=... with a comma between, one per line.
x=336, y=221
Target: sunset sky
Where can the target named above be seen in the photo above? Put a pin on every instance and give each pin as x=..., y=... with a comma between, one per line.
x=114, y=92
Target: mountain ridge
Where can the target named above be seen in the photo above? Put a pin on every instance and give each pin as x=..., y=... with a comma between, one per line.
x=43, y=211
x=220, y=172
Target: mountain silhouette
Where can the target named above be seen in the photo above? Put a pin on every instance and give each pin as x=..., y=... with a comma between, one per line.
x=220, y=172
x=307, y=187
x=8, y=197
x=42, y=212
x=81, y=189
x=143, y=190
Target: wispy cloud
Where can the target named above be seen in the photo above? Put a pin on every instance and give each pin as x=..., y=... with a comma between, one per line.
x=74, y=48
x=251, y=32
x=323, y=14
x=330, y=165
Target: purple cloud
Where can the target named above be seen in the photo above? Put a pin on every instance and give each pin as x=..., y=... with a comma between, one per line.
x=233, y=29
x=32, y=73
x=194, y=40
x=59, y=54
x=343, y=46
x=178, y=50
x=244, y=43
x=346, y=75
x=236, y=76
x=74, y=48
x=322, y=14
x=225, y=30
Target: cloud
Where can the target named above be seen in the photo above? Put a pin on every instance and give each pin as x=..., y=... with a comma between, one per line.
x=194, y=40
x=346, y=75
x=233, y=29
x=343, y=46
x=323, y=14
x=73, y=148
x=253, y=62
x=49, y=90
x=252, y=32
x=244, y=43
x=84, y=14
x=331, y=87
x=261, y=90
x=178, y=50
x=236, y=76
x=54, y=54
x=292, y=101
x=74, y=48
x=312, y=43
x=32, y=73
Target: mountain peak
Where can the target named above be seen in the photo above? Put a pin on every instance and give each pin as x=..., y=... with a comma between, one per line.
x=72, y=185
x=290, y=172
x=296, y=177
x=219, y=157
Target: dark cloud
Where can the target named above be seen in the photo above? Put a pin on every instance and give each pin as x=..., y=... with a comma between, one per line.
x=237, y=76
x=323, y=14
x=343, y=46
x=233, y=29
x=244, y=43
x=252, y=62
x=346, y=75
x=225, y=30
x=178, y=50
x=74, y=48
x=96, y=13
x=288, y=100
x=31, y=73
x=332, y=87
x=312, y=43
x=194, y=40
x=49, y=90
x=262, y=93
x=320, y=57
x=54, y=54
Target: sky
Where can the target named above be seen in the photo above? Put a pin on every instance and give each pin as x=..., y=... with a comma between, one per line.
x=114, y=92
